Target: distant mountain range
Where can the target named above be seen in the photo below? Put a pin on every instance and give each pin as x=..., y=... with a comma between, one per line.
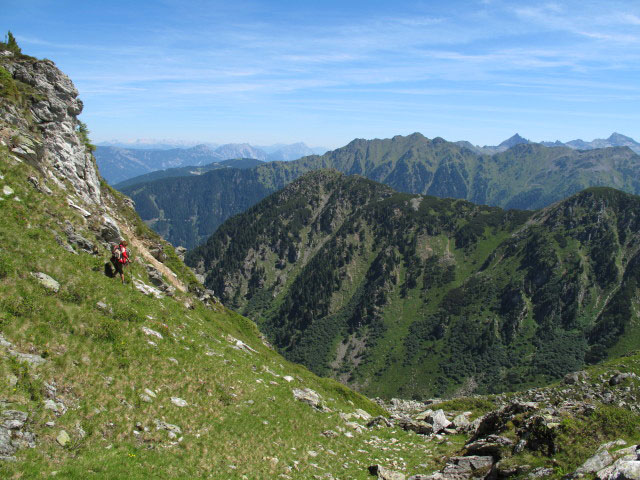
x=118, y=163
x=614, y=140
x=186, y=210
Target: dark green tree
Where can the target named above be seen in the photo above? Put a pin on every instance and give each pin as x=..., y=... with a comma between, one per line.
x=12, y=45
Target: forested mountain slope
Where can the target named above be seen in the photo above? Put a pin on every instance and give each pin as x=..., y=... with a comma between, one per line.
x=400, y=294
x=526, y=176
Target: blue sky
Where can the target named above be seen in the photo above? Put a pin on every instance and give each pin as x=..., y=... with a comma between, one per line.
x=326, y=72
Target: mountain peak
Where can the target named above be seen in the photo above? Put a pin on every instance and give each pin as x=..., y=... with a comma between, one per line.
x=616, y=137
x=514, y=140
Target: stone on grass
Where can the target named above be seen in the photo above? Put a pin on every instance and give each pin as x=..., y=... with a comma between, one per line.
x=7, y=190
x=46, y=281
x=14, y=419
x=468, y=467
x=595, y=463
x=63, y=438
x=150, y=332
x=147, y=289
x=379, y=421
x=461, y=422
x=438, y=420
x=385, y=474
x=150, y=392
x=179, y=402
x=308, y=396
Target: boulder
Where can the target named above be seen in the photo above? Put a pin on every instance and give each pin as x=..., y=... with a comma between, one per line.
x=419, y=426
x=461, y=422
x=63, y=438
x=492, y=445
x=46, y=281
x=573, y=378
x=109, y=230
x=620, y=377
x=379, y=421
x=384, y=473
x=471, y=467
x=626, y=470
x=158, y=253
x=596, y=463
x=14, y=419
x=308, y=396
x=438, y=420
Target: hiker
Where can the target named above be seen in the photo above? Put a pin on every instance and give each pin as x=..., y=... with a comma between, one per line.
x=119, y=258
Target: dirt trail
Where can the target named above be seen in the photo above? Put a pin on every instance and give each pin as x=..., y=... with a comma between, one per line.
x=142, y=250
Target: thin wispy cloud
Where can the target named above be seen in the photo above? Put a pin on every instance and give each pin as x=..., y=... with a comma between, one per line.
x=247, y=60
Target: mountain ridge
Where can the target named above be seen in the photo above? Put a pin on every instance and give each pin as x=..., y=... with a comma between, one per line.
x=525, y=176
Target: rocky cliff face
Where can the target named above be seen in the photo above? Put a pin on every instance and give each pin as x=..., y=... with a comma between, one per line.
x=48, y=135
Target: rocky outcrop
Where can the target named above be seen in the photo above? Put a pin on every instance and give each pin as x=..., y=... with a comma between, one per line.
x=13, y=433
x=58, y=150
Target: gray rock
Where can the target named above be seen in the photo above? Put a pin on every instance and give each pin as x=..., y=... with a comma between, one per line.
x=155, y=276
x=150, y=392
x=438, y=420
x=147, y=289
x=308, y=396
x=384, y=473
x=46, y=281
x=621, y=470
x=492, y=445
x=7, y=190
x=6, y=448
x=574, y=377
x=50, y=390
x=379, y=421
x=14, y=419
x=468, y=467
x=461, y=422
x=62, y=153
x=620, y=377
x=30, y=358
x=179, y=402
x=597, y=462
x=104, y=307
x=151, y=332
x=419, y=426
x=109, y=230
x=541, y=472
x=172, y=429
x=76, y=239
x=63, y=438
x=158, y=253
